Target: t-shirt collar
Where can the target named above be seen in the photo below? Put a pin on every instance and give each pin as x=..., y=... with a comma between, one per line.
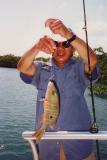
x=70, y=61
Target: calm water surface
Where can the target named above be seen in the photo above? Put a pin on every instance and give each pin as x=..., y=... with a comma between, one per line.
x=17, y=114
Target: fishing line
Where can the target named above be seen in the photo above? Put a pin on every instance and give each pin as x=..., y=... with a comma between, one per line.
x=94, y=128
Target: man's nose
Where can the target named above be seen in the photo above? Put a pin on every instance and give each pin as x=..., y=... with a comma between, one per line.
x=60, y=51
x=60, y=45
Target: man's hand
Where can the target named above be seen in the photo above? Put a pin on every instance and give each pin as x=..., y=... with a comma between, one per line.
x=46, y=45
x=57, y=27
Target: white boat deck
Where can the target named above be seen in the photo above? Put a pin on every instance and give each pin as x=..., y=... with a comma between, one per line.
x=27, y=135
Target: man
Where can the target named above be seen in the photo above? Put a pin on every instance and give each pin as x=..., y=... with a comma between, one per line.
x=71, y=77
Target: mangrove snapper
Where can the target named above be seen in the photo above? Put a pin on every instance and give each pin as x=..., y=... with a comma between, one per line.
x=51, y=110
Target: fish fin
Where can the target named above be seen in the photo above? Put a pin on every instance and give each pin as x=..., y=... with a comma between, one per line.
x=51, y=126
x=38, y=134
x=62, y=153
x=40, y=120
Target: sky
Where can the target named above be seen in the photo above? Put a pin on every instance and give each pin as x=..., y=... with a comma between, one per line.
x=22, y=22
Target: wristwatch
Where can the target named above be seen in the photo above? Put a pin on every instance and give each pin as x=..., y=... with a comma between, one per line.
x=72, y=38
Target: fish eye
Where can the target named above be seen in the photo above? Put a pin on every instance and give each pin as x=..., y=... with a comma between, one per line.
x=51, y=117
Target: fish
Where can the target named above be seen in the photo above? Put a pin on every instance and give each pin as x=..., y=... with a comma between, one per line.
x=51, y=110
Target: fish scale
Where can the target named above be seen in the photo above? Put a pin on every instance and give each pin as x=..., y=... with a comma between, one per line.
x=51, y=110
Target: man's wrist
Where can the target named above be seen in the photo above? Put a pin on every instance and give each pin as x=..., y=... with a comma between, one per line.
x=69, y=33
x=35, y=49
x=72, y=38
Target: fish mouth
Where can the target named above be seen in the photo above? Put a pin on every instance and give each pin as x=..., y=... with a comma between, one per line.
x=54, y=83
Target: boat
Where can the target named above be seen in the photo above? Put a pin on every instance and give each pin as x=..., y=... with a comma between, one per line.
x=83, y=135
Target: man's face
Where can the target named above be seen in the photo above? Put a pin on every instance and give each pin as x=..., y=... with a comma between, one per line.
x=62, y=54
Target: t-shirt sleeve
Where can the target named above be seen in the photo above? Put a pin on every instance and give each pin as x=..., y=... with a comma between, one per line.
x=33, y=80
x=84, y=77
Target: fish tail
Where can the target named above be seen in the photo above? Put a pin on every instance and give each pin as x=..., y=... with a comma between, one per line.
x=38, y=134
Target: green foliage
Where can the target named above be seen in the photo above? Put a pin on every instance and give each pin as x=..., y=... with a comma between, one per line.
x=42, y=59
x=103, y=68
x=100, y=89
x=99, y=49
x=9, y=61
x=102, y=61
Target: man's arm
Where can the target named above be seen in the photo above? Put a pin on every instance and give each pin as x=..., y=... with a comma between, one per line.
x=81, y=47
x=26, y=64
x=57, y=27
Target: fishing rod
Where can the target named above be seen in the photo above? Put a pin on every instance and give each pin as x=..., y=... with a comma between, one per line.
x=94, y=128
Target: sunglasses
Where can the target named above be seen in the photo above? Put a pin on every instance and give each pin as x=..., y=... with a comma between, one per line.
x=65, y=44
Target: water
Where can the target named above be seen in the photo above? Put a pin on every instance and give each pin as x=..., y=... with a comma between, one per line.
x=17, y=114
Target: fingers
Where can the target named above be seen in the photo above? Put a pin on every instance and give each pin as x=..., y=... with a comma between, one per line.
x=46, y=45
x=49, y=22
x=53, y=24
x=56, y=26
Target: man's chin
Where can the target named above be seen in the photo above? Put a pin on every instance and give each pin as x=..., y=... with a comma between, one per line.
x=61, y=60
x=61, y=63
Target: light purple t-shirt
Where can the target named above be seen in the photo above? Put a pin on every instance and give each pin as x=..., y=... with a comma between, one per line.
x=71, y=82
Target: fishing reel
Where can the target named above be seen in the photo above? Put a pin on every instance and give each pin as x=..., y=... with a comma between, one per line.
x=94, y=128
